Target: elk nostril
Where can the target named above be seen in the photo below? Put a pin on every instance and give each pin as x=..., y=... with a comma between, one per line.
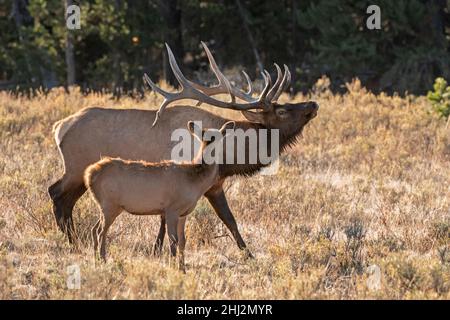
x=311, y=110
x=314, y=105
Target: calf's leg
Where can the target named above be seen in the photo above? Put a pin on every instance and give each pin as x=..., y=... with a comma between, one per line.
x=216, y=198
x=110, y=213
x=181, y=242
x=172, y=224
x=157, y=247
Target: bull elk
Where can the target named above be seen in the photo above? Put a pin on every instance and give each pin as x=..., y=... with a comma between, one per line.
x=85, y=136
x=167, y=188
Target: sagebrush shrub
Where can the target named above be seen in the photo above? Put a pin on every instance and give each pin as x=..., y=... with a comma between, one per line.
x=440, y=97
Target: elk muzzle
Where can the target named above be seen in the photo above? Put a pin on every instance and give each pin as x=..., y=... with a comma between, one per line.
x=309, y=110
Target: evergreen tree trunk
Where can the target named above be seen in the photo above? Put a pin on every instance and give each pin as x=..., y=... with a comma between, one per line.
x=21, y=15
x=117, y=58
x=437, y=18
x=171, y=13
x=70, y=55
x=293, y=49
x=251, y=40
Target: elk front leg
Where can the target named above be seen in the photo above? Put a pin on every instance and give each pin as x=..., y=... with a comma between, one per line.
x=216, y=198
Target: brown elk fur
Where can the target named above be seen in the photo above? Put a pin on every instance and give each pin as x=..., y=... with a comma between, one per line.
x=142, y=188
x=84, y=137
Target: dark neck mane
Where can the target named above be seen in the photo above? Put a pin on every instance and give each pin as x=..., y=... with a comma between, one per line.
x=287, y=139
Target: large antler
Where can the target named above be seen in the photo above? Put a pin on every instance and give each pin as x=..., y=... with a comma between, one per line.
x=224, y=84
x=191, y=90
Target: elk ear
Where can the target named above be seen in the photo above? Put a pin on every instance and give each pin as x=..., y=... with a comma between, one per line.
x=255, y=117
x=194, y=129
x=227, y=125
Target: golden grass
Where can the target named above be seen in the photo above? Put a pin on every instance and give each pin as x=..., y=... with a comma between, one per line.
x=367, y=188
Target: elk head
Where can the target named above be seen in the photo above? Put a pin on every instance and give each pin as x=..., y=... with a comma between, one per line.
x=264, y=109
x=209, y=138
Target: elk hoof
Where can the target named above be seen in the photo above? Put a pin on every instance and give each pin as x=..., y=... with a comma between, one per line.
x=248, y=255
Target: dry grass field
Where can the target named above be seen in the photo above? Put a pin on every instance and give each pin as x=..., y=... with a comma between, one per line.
x=360, y=209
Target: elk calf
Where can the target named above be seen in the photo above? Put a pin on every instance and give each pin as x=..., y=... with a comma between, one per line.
x=144, y=188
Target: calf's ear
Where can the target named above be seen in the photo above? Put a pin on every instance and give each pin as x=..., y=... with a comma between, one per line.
x=191, y=126
x=227, y=125
x=195, y=129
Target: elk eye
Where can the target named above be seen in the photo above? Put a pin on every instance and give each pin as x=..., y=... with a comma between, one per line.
x=281, y=112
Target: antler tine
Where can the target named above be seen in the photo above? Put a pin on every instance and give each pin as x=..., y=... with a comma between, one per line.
x=154, y=87
x=212, y=63
x=224, y=83
x=288, y=81
x=263, y=95
x=261, y=100
x=249, y=83
x=188, y=85
x=160, y=110
x=269, y=78
x=283, y=85
x=267, y=83
x=220, y=76
x=275, y=87
x=189, y=91
x=176, y=70
x=165, y=94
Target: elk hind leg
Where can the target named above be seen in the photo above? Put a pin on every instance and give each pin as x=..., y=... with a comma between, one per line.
x=64, y=194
